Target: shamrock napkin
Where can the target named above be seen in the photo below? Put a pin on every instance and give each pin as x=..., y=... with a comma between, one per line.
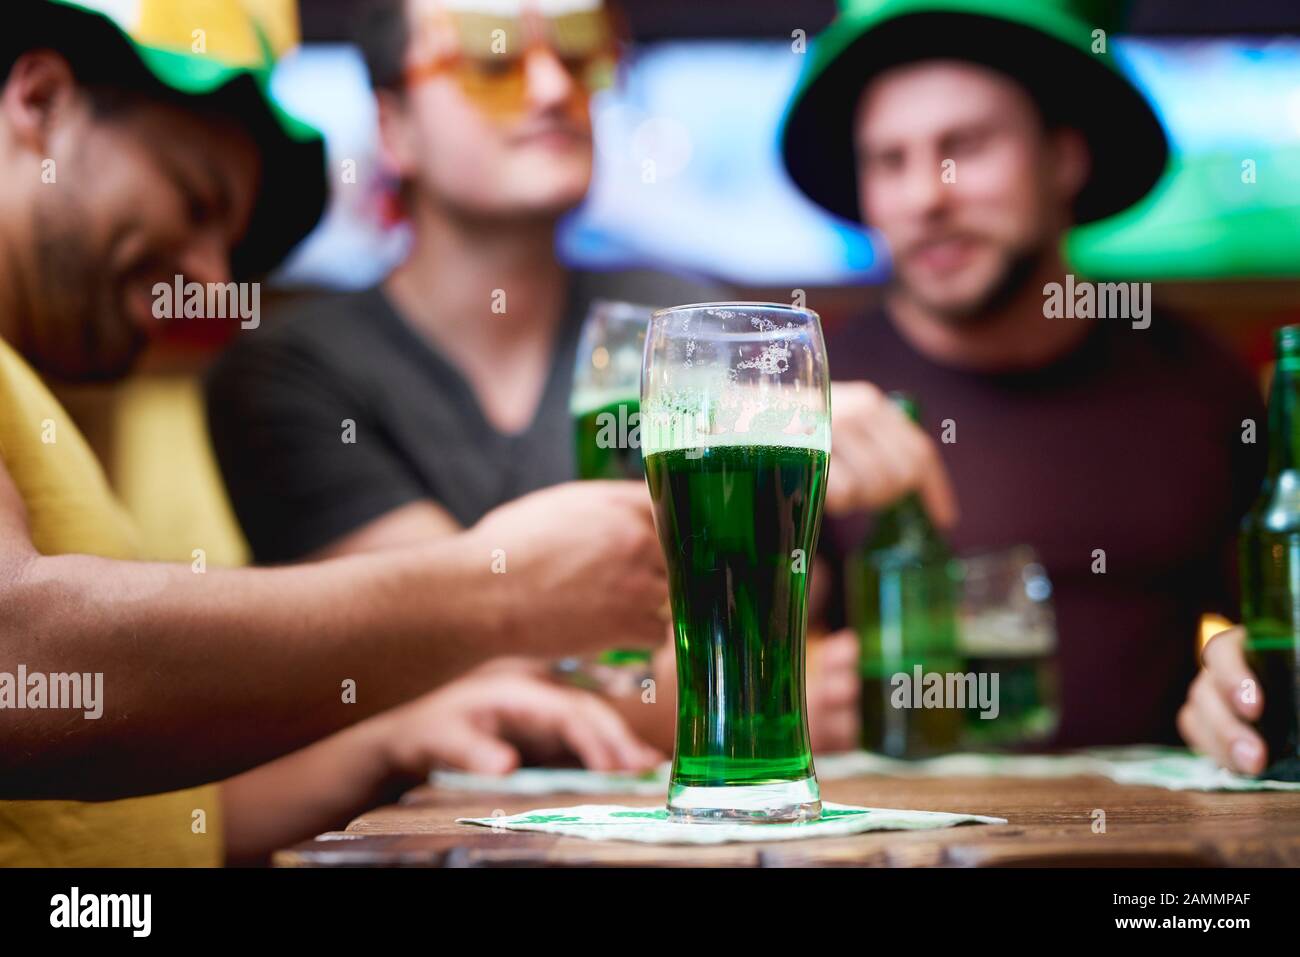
x=1172, y=768
x=612, y=822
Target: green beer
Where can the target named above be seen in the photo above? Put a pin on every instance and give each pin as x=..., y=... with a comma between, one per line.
x=607, y=438
x=732, y=520
x=1008, y=628
x=736, y=436
x=904, y=614
x=1270, y=568
x=901, y=602
x=1027, y=694
x=605, y=404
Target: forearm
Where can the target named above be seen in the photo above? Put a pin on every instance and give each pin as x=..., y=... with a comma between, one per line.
x=319, y=788
x=207, y=675
x=413, y=524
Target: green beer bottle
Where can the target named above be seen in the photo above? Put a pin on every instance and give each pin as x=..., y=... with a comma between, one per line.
x=1270, y=566
x=901, y=601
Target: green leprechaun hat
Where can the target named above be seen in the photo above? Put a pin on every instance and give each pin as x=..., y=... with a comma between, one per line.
x=1046, y=45
x=217, y=54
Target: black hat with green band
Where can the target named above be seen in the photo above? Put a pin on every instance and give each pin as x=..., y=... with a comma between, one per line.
x=1058, y=50
x=213, y=54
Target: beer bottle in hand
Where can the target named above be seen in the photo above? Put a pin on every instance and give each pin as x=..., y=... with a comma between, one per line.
x=1270, y=567
x=901, y=601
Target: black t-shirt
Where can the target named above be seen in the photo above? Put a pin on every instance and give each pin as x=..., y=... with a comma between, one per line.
x=280, y=398
x=1131, y=444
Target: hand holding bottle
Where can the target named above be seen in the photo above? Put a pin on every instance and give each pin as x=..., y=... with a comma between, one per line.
x=878, y=455
x=1251, y=673
x=1222, y=704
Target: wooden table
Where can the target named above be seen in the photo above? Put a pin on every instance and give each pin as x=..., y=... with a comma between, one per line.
x=1050, y=822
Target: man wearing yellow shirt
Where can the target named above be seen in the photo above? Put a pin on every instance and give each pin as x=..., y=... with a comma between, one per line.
x=131, y=153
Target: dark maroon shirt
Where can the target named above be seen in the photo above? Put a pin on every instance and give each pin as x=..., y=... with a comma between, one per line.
x=1131, y=444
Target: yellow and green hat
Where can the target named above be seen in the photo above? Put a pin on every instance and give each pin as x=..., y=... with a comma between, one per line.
x=221, y=54
x=1046, y=45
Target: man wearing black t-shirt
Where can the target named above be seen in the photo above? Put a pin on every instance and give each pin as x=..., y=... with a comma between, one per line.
x=453, y=375
x=972, y=143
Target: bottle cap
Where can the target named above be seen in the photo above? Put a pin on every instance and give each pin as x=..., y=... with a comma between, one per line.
x=1287, y=341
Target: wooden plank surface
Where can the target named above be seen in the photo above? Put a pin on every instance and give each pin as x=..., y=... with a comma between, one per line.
x=1050, y=822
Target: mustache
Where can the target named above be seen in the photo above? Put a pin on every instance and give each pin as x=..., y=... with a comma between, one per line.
x=935, y=236
x=549, y=123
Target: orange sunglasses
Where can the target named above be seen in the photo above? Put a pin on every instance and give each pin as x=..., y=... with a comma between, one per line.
x=487, y=54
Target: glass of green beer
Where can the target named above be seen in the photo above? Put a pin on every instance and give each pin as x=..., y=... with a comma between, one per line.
x=1008, y=629
x=606, y=399
x=735, y=430
x=605, y=404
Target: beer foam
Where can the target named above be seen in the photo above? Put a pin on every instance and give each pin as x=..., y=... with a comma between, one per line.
x=730, y=381
x=679, y=422
x=595, y=400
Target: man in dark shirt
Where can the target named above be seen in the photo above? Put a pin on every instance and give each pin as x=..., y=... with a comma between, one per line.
x=405, y=412
x=340, y=427
x=1113, y=446
x=1123, y=454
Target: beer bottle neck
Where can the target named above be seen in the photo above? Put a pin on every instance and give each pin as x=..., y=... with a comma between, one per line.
x=1284, y=418
x=904, y=526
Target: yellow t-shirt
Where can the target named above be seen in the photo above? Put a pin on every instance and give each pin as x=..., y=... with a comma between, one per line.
x=70, y=509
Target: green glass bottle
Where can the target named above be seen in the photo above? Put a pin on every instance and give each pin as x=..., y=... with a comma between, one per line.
x=900, y=590
x=1270, y=567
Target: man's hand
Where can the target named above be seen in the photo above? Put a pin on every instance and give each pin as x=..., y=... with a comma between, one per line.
x=488, y=721
x=879, y=455
x=582, y=566
x=833, y=690
x=1215, y=719
x=494, y=719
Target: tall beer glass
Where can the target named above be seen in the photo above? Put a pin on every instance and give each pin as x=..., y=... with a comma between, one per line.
x=605, y=405
x=735, y=430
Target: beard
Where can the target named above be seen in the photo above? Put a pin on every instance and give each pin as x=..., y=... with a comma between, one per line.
x=80, y=332
x=1018, y=269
